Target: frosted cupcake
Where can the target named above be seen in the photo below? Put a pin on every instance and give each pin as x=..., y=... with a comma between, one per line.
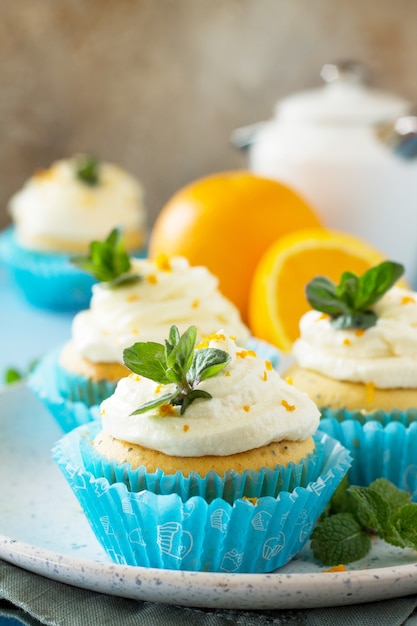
x=356, y=358
x=204, y=459
x=139, y=301
x=56, y=214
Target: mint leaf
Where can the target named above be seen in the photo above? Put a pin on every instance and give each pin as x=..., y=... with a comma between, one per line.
x=148, y=360
x=87, y=170
x=339, y=539
x=177, y=362
x=167, y=398
x=208, y=362
x=193, y=395
x=373, y=511
x=348, y=303
x=180, y=356
x=395, y=498
x=375, y=282
x=12, y=375
x=405, y=523
x=108, y=261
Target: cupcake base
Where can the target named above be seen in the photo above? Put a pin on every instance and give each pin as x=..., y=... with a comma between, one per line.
x=382, y=445
x=47, y=280
x=174, y=531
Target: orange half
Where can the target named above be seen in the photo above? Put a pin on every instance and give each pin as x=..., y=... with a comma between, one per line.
x=277, y=298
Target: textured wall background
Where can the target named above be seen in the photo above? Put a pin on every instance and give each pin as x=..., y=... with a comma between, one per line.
x=158, y=85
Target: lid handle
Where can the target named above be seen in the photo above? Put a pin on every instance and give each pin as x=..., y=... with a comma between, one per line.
x=347, y=71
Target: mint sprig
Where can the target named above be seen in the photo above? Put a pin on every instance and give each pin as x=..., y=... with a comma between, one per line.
x=108, y=261
x=87, y=170
x=356, y=514
x=178, y=362
x=349, y=303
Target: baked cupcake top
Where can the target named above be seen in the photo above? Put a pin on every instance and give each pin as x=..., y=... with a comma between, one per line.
x=161, y=292
x=383, y=353
x=75, y=201
x=242, y=404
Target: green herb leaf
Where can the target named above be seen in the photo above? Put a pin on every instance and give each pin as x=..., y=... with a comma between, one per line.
x=108, y=261
x=12, y=375
x=176, y=362
x=207, y=362
x=339, y=539
x=348, y=303
x=167, y=398
x=148, y=359
x=373, y=511
x=379, y=509
x=193, y=395
x=87, y=170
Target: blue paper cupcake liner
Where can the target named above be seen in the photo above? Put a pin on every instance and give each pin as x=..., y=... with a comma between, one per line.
x=47, y=280
x=382, y=445
x=68, y=413
x=164, y=531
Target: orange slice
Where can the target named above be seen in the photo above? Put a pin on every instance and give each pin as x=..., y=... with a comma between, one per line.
x=277, y=297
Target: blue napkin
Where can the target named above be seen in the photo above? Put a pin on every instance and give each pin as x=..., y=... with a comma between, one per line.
x=27, y=598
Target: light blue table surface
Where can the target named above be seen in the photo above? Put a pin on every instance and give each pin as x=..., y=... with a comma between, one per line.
x=26, y=333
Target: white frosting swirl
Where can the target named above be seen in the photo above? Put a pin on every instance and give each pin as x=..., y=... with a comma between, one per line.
x=54, y=205
x=251, y=406
x=170, y=292
x=385, y=354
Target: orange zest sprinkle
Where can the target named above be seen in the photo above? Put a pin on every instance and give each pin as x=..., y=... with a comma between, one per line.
x=359, y=332
x=246, y=408
x=46, y=174
x=251, y=500
x=288, y=406
x=103, y=411
x=195, y=304
x=289, y=380
x=158, y=389
x=134, y=376
x=227, y=373
x=132, y=298
x=346, y=341
x=162, y=262
x=135, y=331
x=166, y=410
x=185, y=427
x=152, y=279
x=370, y=388
x=232, y=337
x=407, y=300
x=268, y=365
x=336, y=568
x=265, y=376
x=323, y=316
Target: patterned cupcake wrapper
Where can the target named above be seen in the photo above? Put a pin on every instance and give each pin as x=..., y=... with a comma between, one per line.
x=165, y=531
x=47, y=280
x=382, y=445
x=68, y=413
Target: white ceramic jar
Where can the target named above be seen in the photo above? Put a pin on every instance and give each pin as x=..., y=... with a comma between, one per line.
x=350, y=151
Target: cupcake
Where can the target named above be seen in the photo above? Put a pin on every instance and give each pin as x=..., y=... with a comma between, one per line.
x=137, y=299
x=204, y=459
x=55, y=215
x=356, y=358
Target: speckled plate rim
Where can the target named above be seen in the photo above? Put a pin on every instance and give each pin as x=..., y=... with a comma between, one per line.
x=290, y=587
x=216, y=590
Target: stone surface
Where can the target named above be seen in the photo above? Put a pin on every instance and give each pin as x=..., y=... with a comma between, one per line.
x=158, y=87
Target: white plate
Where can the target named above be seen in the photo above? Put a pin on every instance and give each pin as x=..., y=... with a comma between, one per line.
x=42, y=529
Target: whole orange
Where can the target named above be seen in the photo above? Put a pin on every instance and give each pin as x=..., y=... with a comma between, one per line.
x=226, y=221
